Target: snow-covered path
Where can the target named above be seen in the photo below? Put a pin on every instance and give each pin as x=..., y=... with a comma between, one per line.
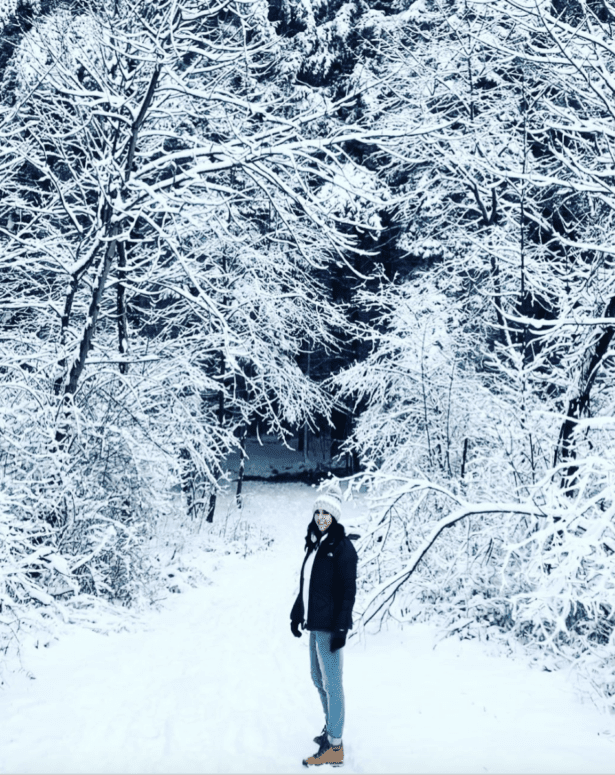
x=216, y=683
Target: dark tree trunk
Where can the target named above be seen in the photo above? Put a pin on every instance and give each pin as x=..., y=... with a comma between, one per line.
x=68, y=306
x=101, y=281
x=579, y=405
x=88, y=332
x=211, y=509
x=242, y=467
x=122, y=324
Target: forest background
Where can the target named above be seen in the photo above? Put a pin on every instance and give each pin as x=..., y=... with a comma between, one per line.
x=383, y=225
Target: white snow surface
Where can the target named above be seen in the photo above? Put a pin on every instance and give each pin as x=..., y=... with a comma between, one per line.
x=214, y=682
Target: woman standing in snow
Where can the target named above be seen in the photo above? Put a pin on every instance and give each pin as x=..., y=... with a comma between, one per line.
x=330, y=567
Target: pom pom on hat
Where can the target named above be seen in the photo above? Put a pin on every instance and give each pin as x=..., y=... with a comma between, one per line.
x=329, y=500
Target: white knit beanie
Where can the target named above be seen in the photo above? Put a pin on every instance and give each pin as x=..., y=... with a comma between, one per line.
x=329, y=500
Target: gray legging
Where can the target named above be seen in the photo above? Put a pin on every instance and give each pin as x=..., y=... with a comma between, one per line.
x=327, y=676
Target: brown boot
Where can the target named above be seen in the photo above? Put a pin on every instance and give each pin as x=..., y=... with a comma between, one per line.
x=332, y=754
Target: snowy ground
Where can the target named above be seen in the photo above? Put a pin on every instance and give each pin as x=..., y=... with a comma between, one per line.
x=215, y=683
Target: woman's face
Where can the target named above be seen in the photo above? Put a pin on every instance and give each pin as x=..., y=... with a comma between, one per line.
x=323, y=519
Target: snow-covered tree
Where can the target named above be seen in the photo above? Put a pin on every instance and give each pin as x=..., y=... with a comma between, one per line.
x=491, y=347
x=168, y=202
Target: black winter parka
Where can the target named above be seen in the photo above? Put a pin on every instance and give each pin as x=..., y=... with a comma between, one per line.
x=332, y=582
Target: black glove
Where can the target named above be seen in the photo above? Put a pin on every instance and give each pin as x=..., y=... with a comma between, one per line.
x=294, y=628
x=338, y=640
